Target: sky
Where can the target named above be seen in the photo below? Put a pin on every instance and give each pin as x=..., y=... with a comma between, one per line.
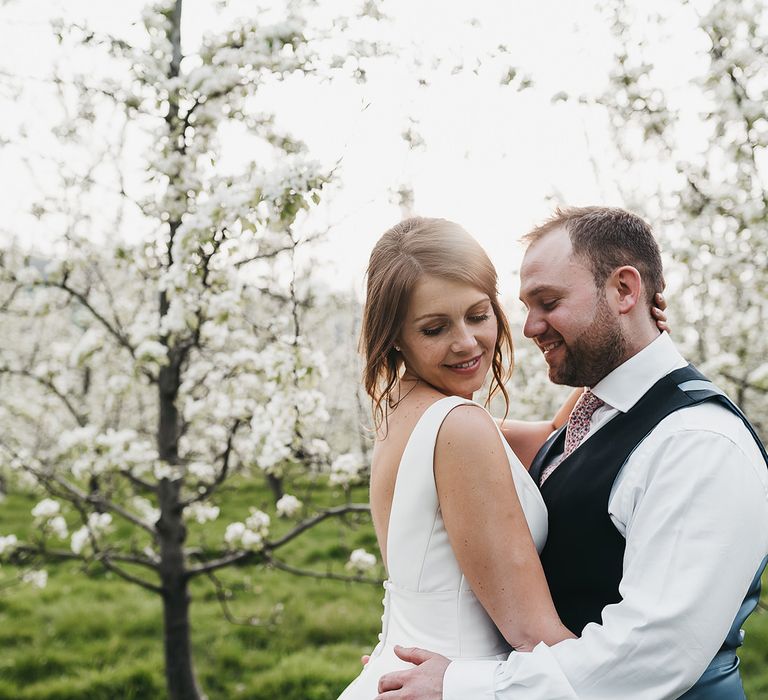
x=493, y=158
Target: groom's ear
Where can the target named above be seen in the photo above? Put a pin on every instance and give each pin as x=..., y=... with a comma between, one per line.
x=625, y=287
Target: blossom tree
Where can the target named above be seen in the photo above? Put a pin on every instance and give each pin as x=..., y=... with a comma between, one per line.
x=696, y=154
x=144, y=368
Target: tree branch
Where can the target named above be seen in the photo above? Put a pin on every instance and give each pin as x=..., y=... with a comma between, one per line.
x=6, y=304
x=223, y=598
x=98, y=316
x=58, y=554
x=122, y=573
x=140, y=483
x=319, y=574
x=743, y=383
x=264, y=256
x=221, y=477
x=80, y=419
x=315, y=520
x=76, y=495
x=282, y=298
x=244, y=557
x=68, y=555
x=235, y=558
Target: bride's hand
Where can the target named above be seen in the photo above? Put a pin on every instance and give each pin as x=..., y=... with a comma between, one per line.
x=658, y=312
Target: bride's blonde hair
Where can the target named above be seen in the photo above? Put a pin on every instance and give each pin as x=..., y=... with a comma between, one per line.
x=409, y=250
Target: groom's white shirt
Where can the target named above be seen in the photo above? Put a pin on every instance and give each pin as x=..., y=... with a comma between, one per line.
x=692, y=503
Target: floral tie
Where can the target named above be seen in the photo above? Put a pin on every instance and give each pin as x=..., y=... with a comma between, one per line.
x=578, y=427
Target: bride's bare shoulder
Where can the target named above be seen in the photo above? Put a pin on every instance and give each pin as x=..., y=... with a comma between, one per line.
x=466, y=419
x=406, y=412
x=467, y=431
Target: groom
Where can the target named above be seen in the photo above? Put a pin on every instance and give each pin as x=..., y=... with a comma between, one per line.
x=658, y=523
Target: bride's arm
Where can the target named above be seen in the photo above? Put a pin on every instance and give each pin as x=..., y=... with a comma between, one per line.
x=526, y=437
x=488, y=530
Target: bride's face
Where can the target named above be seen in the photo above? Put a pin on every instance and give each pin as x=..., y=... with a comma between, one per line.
x=448, y=335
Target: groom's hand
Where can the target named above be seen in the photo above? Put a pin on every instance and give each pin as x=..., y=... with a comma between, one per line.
x=425, y=682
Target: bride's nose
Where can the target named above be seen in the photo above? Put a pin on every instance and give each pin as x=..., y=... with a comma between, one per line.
x=464, y=340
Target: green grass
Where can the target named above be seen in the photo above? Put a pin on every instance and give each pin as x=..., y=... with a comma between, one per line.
x=97, y=637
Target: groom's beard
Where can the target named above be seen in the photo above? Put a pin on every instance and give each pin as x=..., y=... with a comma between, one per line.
x=597, y=350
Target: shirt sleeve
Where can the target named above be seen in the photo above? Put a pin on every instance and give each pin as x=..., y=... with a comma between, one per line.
x=538, y=676
x=696, y=523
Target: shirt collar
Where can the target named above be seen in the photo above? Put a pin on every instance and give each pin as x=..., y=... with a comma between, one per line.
x=625, y=385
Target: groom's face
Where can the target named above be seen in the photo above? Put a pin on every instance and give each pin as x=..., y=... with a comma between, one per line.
x=569, y=318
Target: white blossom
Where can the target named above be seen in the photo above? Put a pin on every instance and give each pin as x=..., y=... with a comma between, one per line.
x=145, y=509
x=77, y=439
x=178, y=318
x=258, y=521
x=152, y=351
x=58, y=526
x=203, y=471
x=361, y=561
x=759, y=376
x=250, y=534
x=28, y=275
x=45, y=509
x=252, y=540
x=89, y=343
x=37, y=578
x=318, y=449
x=288, y=505
x=118, y=383
x=233, y=535
x=54, y=270
x=346, y=469
x=202, y=512
x=163, y=470
x=79, y=539
x=272, y=454
x=99, y=523
x=7, y=544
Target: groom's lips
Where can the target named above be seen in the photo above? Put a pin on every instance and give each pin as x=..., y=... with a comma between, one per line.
x=549, y=347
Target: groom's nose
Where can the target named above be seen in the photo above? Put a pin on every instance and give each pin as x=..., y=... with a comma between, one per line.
x=534, y=324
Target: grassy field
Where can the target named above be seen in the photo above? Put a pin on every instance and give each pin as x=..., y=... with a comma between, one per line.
x=98, y=638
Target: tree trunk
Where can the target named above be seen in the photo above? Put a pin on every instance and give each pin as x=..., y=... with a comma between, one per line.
x=179, y=669
x=276, y=484
x=172, y=533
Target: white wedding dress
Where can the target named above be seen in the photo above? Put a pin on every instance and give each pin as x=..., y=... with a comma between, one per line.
x=428, y=602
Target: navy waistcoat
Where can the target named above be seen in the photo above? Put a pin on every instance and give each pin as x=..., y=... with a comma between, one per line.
x=584, y=553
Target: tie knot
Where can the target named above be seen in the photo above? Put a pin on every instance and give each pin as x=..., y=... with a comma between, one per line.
x=586, y=405
x=577, y=428
x=578, y=423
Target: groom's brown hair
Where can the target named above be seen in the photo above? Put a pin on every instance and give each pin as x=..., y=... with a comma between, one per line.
x=606, y=238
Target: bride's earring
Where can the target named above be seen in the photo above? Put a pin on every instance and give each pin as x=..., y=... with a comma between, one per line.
x=397, y=348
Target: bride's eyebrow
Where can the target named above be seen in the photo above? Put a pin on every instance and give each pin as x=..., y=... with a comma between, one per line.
x=482, y=302
x=439, y=314
x=426, y=316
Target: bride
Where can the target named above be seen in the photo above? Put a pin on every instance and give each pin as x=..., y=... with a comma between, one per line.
x=458, y=520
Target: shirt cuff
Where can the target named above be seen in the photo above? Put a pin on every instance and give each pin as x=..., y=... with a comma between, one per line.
x=466, y=678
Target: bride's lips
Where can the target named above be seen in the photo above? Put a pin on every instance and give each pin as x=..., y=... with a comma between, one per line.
x=467, y=366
